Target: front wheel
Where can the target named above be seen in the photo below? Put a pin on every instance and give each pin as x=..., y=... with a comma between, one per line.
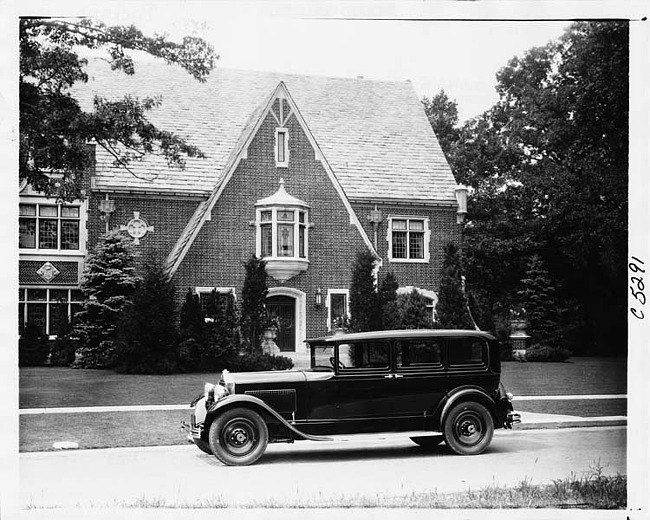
x=203, y=446
x=468, y=428
x=238, y=437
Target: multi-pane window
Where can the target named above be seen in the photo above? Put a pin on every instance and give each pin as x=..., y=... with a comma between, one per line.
x=49, y=226
x=338, y=308
x=281, y=147
x=214, y=301
x=283, y=233
x=408, y=239
x=47, y=308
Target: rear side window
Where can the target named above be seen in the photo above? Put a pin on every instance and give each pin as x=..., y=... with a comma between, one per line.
x=466, y=353
x=419, y=354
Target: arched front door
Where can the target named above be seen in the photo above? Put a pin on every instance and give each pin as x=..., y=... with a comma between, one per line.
x=284, y=307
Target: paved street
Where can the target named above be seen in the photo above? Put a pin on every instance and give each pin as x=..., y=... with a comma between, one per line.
x=309, y=471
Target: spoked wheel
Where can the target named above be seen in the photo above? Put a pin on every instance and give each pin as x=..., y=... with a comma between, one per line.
x=468, y=428
x=238, y=437
x=428, y=441
x=203, y=446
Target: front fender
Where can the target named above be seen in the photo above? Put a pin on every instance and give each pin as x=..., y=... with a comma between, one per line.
x=464, y=393
x=254, y=403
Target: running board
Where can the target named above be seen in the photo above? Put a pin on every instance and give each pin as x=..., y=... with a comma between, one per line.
x=358, y=437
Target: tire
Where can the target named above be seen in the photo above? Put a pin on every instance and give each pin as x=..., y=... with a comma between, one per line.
x=428, y=441
x=468, y=428
x=203, y=446
x=238, y=437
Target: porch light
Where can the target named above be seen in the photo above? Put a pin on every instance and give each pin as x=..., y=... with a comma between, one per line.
x=318, y=299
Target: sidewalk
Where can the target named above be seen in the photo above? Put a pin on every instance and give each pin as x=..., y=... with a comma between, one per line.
x=542, y=421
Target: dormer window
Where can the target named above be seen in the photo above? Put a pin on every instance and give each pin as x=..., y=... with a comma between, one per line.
x=281, y=147
x=282, y=223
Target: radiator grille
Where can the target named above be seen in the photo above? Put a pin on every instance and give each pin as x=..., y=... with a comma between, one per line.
x=282, y=401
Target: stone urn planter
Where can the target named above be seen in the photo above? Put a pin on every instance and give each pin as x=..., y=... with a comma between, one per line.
x=519, y=339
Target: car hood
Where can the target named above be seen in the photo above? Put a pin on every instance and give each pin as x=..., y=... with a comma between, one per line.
x=279, y=376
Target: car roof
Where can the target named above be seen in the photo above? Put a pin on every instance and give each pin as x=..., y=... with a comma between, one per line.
x=402, y=334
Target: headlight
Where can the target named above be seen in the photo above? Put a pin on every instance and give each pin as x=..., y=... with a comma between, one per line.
x=228, y=381
x=510, y=396
x=208, y=392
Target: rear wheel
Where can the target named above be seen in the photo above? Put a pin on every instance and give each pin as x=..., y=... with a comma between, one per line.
x=428, y=441
x=238, y=437
x=468, y=428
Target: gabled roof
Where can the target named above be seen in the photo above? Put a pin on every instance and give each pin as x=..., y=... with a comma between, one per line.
x=373, y=134
x=183, y=244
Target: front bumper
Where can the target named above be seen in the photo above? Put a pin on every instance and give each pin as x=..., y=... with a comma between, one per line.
x=192, y=429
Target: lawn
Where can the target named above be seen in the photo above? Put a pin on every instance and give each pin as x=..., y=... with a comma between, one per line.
x=44, y=387
x=65, y=387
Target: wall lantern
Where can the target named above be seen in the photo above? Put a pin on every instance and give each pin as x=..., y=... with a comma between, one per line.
x=375, y=217
x=318, y=298
x=106, y=209
x=461, y=198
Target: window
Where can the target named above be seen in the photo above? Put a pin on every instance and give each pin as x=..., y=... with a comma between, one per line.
x=337, y=304
x=49, y=226
x=214, y=300
x=281, y=147
x=364, y=355
x=419, y=354
x=46, y=308
x=283, y=233
x=466, y=352
x=408, y=239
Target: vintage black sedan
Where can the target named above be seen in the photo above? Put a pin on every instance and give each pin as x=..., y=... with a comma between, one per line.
x=429, y=385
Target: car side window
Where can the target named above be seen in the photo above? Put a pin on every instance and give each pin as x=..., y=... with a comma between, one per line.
x=419, y=354
x=466, y=352
x=364, y=355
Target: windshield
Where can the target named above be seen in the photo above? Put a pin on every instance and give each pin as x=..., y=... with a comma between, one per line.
x=322, y=356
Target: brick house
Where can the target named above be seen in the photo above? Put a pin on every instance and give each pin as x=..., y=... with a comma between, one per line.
x=302, y=171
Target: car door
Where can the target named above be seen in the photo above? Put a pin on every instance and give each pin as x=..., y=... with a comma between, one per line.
x=420, y=379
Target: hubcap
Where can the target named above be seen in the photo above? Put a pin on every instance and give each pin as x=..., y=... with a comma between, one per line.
x=468, y=428
x=239, y=436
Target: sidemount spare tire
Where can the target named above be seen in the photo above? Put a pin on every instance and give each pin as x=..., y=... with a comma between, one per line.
x=238, y=437
x=468, y=428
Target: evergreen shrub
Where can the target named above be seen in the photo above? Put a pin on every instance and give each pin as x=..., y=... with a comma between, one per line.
x=33, y=347
x=543, y=353
x=253, y=362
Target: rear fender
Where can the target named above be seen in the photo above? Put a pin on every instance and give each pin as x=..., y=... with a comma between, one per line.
x=256, y=404
x=460, y=394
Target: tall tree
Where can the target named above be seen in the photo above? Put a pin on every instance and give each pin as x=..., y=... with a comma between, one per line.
x=55, y=131
x=147, y=327
x=253, y=309
x=452, y=311
x=109, y=283
x=548, y=170
x=442, y=113
x=363, y=294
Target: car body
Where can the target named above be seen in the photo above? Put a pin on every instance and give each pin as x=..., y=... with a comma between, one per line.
x=429, y=385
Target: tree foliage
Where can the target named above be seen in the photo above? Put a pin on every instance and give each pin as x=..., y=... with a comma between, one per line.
x=147, y=328
x=253, y=308
x=548, y=172
x=364, y=300
x=109, y=283
x=408, y=311
x=442, y=113
x=452, y=311
x=55, y=131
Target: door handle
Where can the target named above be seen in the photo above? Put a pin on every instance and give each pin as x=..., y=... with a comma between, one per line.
x=393, y=376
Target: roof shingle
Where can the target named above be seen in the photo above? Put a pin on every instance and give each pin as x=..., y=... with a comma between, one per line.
x=374, y=134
